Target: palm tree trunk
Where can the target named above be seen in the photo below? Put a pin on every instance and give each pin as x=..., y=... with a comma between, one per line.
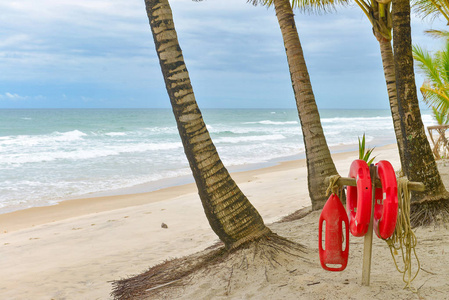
x=386, y=52
x=319, y=161
x=230, y=214
x=380, y=18
x=418, y=161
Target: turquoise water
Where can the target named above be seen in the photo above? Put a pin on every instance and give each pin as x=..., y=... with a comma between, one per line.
x=53, y=154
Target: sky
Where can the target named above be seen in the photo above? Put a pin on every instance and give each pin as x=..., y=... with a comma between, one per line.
x=100, y=54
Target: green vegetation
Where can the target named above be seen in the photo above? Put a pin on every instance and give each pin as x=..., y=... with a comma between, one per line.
x=435, y=89
x=432, y=8
x=364, y=154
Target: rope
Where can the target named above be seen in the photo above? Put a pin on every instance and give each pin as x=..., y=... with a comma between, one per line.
x=403, y=236
x=333, y=186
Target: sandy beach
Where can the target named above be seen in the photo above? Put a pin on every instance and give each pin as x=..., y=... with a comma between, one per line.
x=74, y=249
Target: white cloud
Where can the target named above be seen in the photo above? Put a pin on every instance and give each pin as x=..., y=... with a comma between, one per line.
x=12, y=96
x=109, y=43
x=16, y=97
x=14, y=40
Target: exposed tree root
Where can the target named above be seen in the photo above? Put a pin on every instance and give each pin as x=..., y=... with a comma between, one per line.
x=147, y=283
x=426, y=213
x=263, y=255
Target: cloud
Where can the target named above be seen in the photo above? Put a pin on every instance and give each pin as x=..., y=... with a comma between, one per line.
x=7, y=96
x=12, y=96
x=15, y=40
x=232, y=50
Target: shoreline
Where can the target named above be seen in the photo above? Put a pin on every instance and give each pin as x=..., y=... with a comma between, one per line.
x=188, y=179
x=44, y=200
x=111, y=200
x=79, y=246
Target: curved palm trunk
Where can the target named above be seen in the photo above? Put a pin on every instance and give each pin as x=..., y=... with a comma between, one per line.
x=386, y=52
x=230, y=214
x=419, y=163
x=319, y=161
x=379, y=15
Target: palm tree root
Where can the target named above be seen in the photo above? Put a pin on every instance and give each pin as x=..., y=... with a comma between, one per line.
x=427, y=213
x=262, y=256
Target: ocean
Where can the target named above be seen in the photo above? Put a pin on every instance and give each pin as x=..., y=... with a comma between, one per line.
x=50, y=155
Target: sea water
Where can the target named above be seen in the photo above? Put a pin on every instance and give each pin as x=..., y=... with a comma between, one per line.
x=48, y=155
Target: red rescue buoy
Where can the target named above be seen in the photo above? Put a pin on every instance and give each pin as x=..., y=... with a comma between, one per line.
x=334, y=254
x=386, y=204
x=358, y=199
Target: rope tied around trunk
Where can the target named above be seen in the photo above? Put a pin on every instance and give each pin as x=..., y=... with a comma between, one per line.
x=404, y=238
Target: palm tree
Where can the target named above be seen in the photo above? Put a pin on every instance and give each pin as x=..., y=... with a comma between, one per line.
x=378, y=13
x=230, y=214
x=435, y=89
x=419, y=162
x=319, y=161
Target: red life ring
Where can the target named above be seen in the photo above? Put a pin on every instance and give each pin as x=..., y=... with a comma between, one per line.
x=358, y=199
x=386, y=204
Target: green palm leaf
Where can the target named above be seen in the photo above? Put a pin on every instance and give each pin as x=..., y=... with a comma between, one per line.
x=427, y=64
x=432, y=8
x=435, y=89
x=437, y=33
x=441, y=117
x=364, y=154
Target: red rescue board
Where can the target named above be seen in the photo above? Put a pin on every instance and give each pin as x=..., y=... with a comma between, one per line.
x=334, y=254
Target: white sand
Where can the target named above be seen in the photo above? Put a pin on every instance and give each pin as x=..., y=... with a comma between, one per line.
x=72, y=250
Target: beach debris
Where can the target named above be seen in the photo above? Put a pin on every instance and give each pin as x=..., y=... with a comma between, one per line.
x=163, y=225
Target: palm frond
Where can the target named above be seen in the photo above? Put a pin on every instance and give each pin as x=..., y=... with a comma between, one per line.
x=365, y=7
x=426, y=64
x=310, y=6
x=435, y=89
x=443, y=61
x=441, y=117
x=266, y=3
x=431, y=8
x=435, y=97
x=438, y=34
x=317, y=6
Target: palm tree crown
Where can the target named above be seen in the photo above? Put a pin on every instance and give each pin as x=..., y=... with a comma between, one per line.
x=379, y=15
x=315, y=6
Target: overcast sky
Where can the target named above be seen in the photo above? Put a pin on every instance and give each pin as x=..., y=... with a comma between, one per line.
x=99, y=53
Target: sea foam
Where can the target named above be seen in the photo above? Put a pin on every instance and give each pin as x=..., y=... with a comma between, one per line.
x=58, y=154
